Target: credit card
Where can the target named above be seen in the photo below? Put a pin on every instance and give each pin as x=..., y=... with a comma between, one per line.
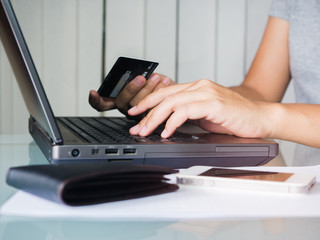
x=123, y=71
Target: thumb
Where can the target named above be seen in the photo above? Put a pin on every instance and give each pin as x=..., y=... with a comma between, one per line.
x=100, y=103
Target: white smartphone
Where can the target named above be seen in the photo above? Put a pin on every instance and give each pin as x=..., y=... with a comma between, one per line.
x=246, y=179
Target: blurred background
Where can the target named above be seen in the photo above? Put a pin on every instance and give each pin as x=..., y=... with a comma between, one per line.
x=74, y=44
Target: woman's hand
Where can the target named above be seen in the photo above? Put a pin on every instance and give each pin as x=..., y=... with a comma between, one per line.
x=136, y=90
x=213, y=107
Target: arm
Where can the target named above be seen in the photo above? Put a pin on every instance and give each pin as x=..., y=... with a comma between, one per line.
x=297, y=123
x=268, y=79
x=249, y=110
x=269, y=74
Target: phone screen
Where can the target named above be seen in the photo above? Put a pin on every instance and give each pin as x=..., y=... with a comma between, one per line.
x=247, y=174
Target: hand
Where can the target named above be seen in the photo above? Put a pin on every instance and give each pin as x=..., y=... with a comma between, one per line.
x=213, y=107
x=136, y=90
x=100, y=103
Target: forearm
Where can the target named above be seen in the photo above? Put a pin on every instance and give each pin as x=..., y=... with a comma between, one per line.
x=248, y=92
x=269, y=74
x=296, y=122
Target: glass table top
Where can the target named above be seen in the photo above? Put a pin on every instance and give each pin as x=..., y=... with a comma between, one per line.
x=21, y=150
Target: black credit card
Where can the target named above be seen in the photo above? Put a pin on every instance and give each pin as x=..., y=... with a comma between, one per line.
x=123, y=71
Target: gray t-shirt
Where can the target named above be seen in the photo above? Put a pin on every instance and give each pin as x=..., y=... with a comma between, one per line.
x=304, y=50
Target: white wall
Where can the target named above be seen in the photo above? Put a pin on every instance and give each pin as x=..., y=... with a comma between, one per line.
x=192, y=39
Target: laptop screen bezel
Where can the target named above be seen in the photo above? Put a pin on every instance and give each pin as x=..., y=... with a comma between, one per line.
x=25, y=72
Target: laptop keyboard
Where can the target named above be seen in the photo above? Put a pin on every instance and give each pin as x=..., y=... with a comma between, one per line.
x=116, y=130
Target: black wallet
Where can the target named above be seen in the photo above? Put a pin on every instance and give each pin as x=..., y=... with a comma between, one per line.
x=91, y=183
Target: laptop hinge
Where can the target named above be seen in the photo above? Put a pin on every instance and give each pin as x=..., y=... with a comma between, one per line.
x=33, y=124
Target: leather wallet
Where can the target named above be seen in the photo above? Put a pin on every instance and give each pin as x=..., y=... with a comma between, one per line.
x=91, y=183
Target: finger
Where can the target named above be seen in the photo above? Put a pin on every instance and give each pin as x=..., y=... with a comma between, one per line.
x=176, y=120
x=153, y=99
x=151, y=83
x=126, y=95
x=145, y=129
x=160, y=113
x=156, y=82
x=166, y=81
x=213, y=127
x=193, y=111
x=100, y=103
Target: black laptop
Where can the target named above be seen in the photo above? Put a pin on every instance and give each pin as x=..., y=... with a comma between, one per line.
x=107, y=139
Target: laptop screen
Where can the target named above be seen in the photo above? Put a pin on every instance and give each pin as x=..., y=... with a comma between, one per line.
x=25, y=72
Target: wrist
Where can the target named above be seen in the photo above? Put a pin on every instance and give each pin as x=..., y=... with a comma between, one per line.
x=275, y=113
x=285, y=121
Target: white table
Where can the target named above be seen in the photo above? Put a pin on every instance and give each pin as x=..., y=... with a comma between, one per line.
x=21, y=150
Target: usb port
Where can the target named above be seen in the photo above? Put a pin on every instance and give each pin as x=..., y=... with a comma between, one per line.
x=95, y=151
x=129, y=151
x=111, y=151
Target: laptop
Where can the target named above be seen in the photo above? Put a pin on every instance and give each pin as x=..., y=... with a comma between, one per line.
x=82, y=139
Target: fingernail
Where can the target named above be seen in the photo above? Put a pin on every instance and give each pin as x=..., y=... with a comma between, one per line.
x=138, y=81
x=132, y=110
x=166, y=80
x=154, y=77
x=164, y=133
x=143, y=130
x=135, y=128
